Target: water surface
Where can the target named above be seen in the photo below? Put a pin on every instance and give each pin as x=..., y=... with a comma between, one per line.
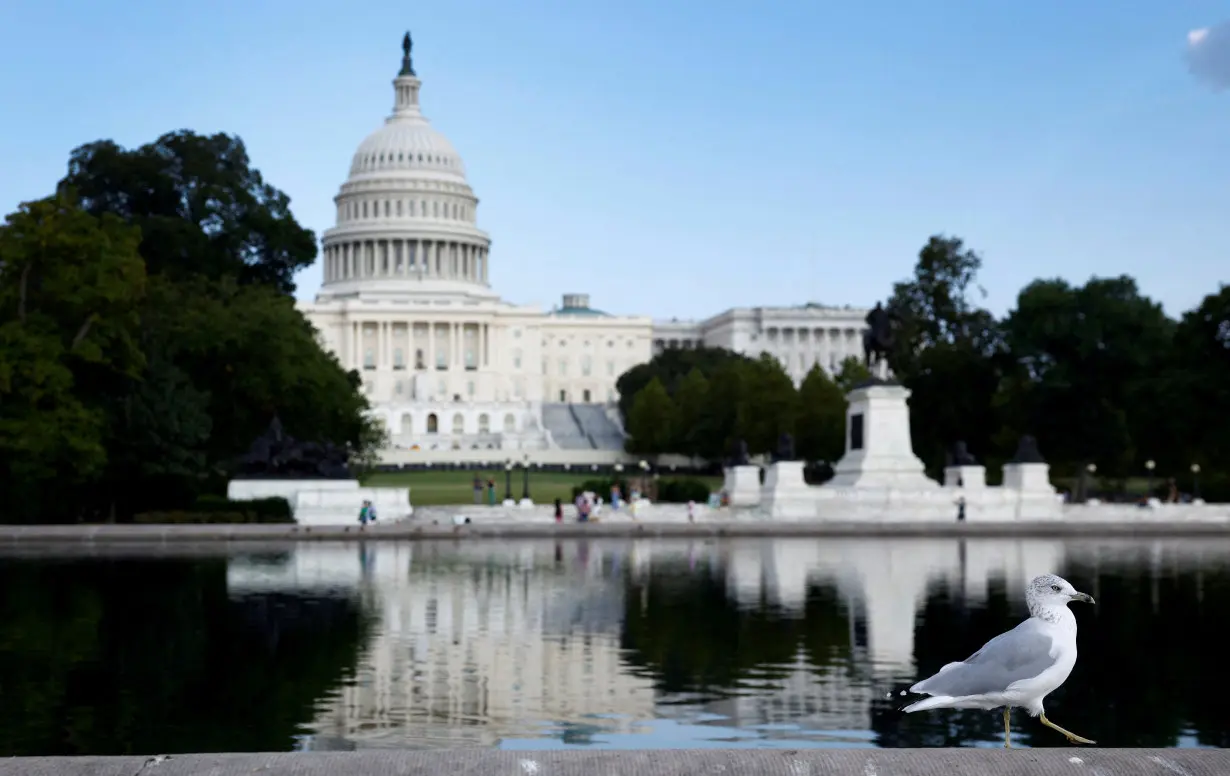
x=602, y=643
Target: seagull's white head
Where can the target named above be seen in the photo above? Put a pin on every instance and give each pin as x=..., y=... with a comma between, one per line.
x=1051, y=591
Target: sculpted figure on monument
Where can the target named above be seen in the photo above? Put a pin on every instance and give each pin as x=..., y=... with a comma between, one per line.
x=785, y=447
x=276, y=455
x=878, y=337
x=961, y=456
x=1027, y=451
x=738, y=455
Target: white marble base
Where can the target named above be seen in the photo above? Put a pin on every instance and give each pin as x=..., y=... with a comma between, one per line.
x=742, y=485
x=967, y=477
x=247, y=490
x=525, y=503
x=882, y=457
x=1031, y=478
x=326, y=502
x=785, y=495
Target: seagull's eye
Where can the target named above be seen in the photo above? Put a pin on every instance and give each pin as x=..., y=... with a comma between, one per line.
x=1055, y=588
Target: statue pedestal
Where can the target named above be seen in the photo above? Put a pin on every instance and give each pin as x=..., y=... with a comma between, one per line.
x=326, y=502
x=742, y=485
x=879, y=450
x=785, y=495
x=968, y=477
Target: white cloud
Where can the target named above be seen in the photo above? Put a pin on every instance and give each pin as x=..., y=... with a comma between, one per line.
x=1208, y=55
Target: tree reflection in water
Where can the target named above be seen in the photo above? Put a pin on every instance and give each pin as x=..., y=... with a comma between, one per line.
x=149, y=656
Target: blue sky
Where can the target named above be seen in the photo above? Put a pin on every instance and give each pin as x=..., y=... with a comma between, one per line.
x=679, y=158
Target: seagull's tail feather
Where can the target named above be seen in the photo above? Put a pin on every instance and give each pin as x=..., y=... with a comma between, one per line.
x=939, y=701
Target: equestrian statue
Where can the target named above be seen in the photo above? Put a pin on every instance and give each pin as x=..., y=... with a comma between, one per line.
x=878, y=339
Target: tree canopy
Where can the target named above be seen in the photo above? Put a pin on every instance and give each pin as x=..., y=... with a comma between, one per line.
x=148, y=335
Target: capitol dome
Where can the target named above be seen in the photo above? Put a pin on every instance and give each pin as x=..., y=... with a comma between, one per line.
x=406, y=216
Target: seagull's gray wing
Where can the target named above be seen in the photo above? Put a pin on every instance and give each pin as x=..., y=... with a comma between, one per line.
x=1021, y=653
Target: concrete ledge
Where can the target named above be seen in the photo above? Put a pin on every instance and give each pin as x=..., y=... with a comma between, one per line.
x=411, y=530
x=662, y=762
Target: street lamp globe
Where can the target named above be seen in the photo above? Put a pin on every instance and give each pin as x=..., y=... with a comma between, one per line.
x=1150, y=465
x=1195, y=468
x=1091, y=468
x=619, y=467
x=644, y=465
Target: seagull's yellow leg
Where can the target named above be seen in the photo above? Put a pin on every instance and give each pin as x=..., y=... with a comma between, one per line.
x=1072, y=737
x=1007, y=727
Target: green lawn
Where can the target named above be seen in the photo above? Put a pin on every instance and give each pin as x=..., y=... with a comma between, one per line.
x=430, y=488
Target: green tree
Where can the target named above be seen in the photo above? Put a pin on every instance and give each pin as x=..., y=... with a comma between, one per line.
x=1199, y=371
x=201, y=207
x=822, y=418
x=670, y=367
x=768, y=406
x=1089, y=372
x=69, y=285
x=851, y=373
x=948, y=352
x=717, y=430
x=650, y=421
x=690, y=401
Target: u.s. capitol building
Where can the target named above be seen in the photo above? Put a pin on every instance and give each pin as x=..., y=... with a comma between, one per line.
x=447, y=363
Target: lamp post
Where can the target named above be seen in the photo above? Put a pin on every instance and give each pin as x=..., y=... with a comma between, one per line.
x=508, y=480
x=1150, y=465
x=525, y=479
x=1091, y=470
x=1195, y=481
x=644, y=467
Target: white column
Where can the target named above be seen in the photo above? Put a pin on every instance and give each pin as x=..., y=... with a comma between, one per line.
x=431, y=346
x=356, y=357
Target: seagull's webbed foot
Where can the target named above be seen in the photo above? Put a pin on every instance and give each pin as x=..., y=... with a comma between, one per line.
x=1007, y=727
x=1072, y=737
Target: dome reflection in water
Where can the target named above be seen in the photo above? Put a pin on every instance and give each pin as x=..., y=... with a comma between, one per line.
x=604, y=643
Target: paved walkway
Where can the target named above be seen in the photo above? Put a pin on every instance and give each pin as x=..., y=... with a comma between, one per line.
x=675, y=762
x=11, y=535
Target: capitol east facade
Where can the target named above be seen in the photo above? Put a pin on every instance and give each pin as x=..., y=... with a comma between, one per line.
x=449, y=365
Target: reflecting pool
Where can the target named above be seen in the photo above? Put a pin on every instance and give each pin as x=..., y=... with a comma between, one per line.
x=601, y=643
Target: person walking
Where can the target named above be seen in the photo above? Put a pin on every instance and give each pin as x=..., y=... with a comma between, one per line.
x=559, y=511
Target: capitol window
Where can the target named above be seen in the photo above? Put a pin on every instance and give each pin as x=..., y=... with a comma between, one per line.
x=610, y=369
x=510, y=423
x=433, y=424
x=365, y=208
x=369, y=359
x=399, y=359
x=563, y=366
x=585, y=366
x=516, y=359
x=470, y=389
x=459, y=424
x=484, y=424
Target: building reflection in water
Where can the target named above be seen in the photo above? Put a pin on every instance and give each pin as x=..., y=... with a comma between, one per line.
x=479, y=642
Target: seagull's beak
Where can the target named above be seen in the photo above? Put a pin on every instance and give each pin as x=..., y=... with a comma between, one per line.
x=1082, y=597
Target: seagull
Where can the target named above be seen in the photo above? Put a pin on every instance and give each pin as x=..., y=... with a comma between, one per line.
x=1018, y=668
